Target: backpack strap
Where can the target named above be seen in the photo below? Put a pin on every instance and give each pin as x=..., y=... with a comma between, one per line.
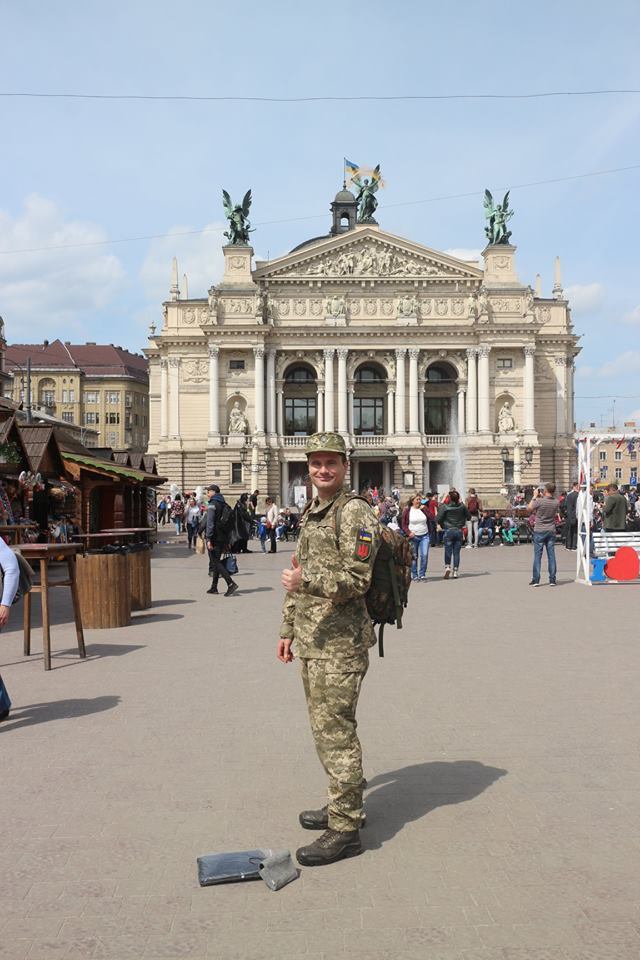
x=341, y=505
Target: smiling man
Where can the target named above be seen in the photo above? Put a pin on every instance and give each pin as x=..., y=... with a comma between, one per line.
x=326, y=624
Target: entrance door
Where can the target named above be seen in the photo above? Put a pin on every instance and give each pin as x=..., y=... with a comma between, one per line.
x=370, y=474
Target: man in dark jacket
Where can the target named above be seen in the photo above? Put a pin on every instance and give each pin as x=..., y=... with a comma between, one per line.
x=452, y=517
x=217, y=542
x=571, y=517
x=615, y=510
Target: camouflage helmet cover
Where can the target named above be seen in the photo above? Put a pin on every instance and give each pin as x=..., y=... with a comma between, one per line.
x=325, y=443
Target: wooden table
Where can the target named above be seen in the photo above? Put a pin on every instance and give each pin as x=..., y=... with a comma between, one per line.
x=16, y=531
x=44, y=552
x=139, y=531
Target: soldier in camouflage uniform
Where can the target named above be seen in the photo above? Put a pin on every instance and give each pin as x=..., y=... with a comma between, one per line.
x=325, y=619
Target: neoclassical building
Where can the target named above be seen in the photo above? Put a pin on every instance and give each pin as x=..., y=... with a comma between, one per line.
x=435, y=369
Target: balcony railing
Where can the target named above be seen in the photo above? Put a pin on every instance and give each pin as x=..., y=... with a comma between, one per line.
x=375, y=440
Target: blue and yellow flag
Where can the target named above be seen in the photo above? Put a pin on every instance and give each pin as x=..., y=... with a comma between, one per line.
x=351, y=169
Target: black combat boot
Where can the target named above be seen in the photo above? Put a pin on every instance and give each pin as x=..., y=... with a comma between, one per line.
x=332, y=846
x=319, y=819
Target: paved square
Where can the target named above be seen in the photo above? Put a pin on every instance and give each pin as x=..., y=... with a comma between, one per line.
x=501, y=747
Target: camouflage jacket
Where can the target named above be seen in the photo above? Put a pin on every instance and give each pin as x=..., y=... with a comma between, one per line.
x=327, y=618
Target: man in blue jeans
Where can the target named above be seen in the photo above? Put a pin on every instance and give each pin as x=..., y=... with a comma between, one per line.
x=452, y=517
x=545, y=508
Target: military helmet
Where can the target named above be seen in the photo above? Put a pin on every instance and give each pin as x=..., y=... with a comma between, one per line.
x=325, y=443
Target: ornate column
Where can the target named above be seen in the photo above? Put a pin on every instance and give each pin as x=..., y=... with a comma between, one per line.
x=414, y=409
x=400, y=390
x=174, y=397
x=391, y=426
x=271, y=391
x=214, y=389
x=351, y=386
x=461, y=399
x=320, y=409
x=164, y=397
x=280, y=410
x=529, y=424
x=343, y=414
x=561, y=394
x=259, y=388
x=484, y=407
x=517, y=465
x=472, y=390
x=328, y=388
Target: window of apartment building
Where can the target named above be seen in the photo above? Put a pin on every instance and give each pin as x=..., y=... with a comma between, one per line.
x=236, y=364
x=91, y=418
x=136, y=419
x=112, y=418
x=91, y=396
x=504, y=363
x=618, y=473
x=633, y=455
x=65, y=396
x=112, y=396
x=67, y=416
x=603, y=455
x=617, y=455
x=127, y=421
x=112, y=436
x=236, y=473
x=128, y=399
x=47, y=398
x=72, y=396
x=603, y=472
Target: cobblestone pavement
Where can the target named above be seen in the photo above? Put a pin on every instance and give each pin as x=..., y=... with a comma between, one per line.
x=501, y=748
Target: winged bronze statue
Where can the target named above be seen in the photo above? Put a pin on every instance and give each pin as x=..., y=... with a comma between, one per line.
x=367, y=202
x=238, y=217
x=498, y=215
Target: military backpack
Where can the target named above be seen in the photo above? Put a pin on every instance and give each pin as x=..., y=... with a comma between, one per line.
x=388, y=593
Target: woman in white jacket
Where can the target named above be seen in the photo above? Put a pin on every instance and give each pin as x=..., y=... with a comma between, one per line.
x=10, y=580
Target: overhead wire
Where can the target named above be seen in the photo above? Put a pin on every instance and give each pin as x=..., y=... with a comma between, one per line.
x=373, y=98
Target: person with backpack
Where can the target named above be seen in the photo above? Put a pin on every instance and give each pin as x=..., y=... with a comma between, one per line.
x=474, y=506
x=177, y=513
x=452, y=517
x=326, y=620
x=219, y=531
x=10, y=581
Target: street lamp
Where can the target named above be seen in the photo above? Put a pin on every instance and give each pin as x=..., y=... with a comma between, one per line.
x=266, y=455
x=243, y=455
x=528, y=456
x=504, y=453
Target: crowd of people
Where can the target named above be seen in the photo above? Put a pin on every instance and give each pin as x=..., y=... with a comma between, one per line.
x=428, y=520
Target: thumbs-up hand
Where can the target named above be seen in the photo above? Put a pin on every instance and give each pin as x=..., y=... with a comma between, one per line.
x=291, y=579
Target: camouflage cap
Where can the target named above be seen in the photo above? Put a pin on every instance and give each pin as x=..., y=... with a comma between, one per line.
x=325, y=443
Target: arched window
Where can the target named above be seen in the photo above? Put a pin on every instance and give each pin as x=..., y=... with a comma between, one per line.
x=440, y=373
x=299, y=375
x=47, y=392
x=368, y=375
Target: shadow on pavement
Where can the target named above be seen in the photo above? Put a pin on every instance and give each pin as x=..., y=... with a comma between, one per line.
x=410, y=793
x=170, y=603
x=242, y=590
x=155, y=617
x=56, y=710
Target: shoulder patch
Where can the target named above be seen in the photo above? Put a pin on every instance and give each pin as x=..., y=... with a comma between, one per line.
x=364, y=539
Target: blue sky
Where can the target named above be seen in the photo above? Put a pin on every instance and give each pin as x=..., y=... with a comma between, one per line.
x=86, y=171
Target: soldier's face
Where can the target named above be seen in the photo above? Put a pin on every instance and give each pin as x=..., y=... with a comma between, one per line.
x=327, y=472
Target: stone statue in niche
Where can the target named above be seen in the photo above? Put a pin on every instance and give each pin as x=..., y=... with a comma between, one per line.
x=336, y=308
x=238, y=423
x=506, y=423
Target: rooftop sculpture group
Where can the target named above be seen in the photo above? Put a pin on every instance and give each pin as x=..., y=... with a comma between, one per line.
x=498, y=214
x=238, y=217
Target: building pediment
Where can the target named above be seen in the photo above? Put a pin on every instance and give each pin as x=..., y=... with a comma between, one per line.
x=367, y=253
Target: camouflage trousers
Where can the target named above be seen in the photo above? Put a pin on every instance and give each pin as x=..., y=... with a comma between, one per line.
x=332, y=698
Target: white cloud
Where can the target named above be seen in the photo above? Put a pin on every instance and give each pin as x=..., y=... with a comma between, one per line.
x=625, y=363
x=584, y=371
x=585, y=297
x=463, y=253
x=53, y=292
x=199, y=256
x=632, y=317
